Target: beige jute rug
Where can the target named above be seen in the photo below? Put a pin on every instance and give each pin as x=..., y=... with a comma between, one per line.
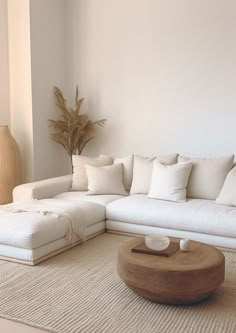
x=80, y=291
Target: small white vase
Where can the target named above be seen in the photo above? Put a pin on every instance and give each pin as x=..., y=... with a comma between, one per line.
x=185, y=245
x=157, y=242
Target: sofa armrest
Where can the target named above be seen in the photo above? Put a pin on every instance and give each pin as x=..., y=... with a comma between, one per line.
x=42, y=189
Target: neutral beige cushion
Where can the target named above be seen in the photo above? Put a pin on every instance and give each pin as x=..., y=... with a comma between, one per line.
x=105, y=179
x=79, y=179
x=169, y=181
x=127, y=163
x=142, y=171
x=227, y=194
x=207, y=176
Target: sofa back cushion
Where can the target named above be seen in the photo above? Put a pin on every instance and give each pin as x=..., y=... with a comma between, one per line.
x=169, y=182
x=207, y=176
x=227, y=194
x=80, y=179
x=105, y=179
x=127, y=163
x=142, y=171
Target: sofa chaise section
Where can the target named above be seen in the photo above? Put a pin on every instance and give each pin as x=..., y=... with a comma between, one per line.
x=31, y=237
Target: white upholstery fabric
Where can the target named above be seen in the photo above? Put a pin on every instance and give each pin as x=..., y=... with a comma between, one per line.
x=127, y=163
x=138, y=229
x=42, y=189
x=31, y=230
x=142, y=174
x=227, y=194
x=81, y=195
x=105, y=180
x=29, y=236
x=169, y=181
x=80, y=180
x=142, y=171
x=10, y=252
x=196, y=215
x=207, y=176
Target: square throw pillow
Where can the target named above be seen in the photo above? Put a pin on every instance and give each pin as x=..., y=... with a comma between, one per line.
x=207, y=176
x=79, y=178
x=142, y=171
x=227, y=194
x=105, y=179
x=169, y=182
x=127, y=163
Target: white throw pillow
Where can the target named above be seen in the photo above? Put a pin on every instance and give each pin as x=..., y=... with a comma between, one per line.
x=207, y=176
x=105, y=179
x=127, y=163
x=79, y=179
x=142, y=171
x=169, y=181
x=227, y=194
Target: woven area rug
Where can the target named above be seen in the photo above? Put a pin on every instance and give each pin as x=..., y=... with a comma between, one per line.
x=80, y=291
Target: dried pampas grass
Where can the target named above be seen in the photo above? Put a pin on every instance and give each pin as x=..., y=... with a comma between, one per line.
x=73, y=130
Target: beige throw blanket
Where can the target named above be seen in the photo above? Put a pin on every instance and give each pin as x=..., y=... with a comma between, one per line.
x=64, y=210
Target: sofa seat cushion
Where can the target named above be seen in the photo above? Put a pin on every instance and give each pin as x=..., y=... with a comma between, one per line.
x=197, y=215
x=81, y=195
x=30, y=230
x=41, y=253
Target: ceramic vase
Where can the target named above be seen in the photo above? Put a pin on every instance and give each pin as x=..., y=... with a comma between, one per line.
x=185, y=245
x=10, y=171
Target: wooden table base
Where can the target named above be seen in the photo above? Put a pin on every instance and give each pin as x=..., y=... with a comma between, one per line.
x=183, y=278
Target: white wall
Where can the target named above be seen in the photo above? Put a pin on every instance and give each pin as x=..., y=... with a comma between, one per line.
x=20, y=82
x=36, y=63
x=4, y=66
x=162, y=72
x=47, y=32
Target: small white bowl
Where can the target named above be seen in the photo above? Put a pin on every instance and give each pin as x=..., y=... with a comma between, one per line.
x=157, y=242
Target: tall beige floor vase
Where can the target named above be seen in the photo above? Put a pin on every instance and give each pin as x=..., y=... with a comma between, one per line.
x=10, y=170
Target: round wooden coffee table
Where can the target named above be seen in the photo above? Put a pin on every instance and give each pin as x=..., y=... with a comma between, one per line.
x=183, y=278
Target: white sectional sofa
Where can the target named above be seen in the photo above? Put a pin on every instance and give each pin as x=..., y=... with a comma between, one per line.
x=30, y=238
